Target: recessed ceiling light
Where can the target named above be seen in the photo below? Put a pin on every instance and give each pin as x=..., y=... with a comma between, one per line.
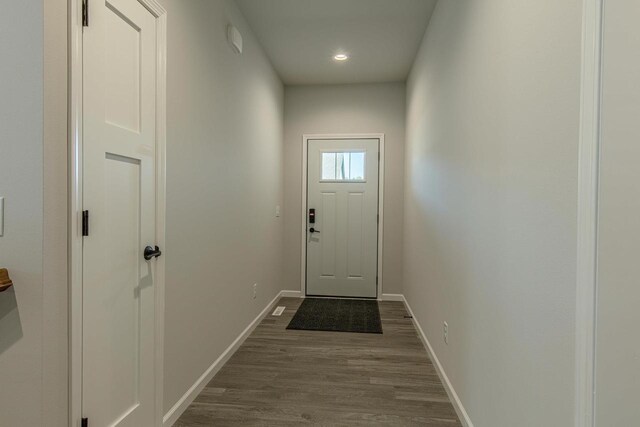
x=341, y=57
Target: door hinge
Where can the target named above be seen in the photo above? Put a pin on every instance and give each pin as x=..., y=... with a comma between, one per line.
x=85, y=223
x=85, y=13
x=85, y=422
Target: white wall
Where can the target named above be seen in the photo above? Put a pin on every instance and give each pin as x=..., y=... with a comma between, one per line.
x=33, y=322
x=490, y=212
x=366, y=108
x=224, y=180
x=55, y=233
x=33, y=319
x=21, y=112
x=617, y=345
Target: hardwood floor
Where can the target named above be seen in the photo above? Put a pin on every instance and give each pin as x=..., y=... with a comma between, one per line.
x=281, y=377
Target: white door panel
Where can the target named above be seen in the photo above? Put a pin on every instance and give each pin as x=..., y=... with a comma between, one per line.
x=355, y=236
x=119, y=169
x=327, y=222
x=342, y=188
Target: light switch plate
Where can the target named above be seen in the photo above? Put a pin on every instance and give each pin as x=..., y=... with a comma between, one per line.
x=1, y=216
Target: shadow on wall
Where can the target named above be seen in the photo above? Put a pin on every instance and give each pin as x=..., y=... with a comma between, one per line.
x=10, y=325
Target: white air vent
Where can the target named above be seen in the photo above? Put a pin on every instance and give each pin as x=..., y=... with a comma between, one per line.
x=235, y=38
x=278, y=311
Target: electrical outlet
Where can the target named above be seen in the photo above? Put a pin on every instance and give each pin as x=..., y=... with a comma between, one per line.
x=446, y=333
x=255, y=290
x=278, y=211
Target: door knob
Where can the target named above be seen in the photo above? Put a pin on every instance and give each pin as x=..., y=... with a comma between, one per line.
x=313, y=230
x=150, y=252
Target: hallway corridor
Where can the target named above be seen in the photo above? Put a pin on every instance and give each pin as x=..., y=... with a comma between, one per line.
x=461, y=175
x=291, y=377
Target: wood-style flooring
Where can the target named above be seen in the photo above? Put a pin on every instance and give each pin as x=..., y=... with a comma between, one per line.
x=281, y=377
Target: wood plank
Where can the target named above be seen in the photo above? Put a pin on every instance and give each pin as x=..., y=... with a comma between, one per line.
x=281, y=377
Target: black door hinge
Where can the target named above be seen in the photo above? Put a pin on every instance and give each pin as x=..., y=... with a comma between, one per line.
x=85, y=13
x=85, y=422
x=85, y=223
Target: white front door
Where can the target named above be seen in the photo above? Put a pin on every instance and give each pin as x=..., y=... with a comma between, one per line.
x=119, y=194
x=342, y=217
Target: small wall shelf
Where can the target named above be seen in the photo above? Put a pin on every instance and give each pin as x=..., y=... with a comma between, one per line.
x=5, y=281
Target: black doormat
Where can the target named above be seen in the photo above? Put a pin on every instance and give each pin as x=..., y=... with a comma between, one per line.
x=338, y=315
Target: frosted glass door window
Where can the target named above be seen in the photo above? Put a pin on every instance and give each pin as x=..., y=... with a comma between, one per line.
x=329, y=166
x=345, y=166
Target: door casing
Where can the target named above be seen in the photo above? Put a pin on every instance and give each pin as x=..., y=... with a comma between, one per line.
x=305, y=153
x=76, y=203
x=587, y=208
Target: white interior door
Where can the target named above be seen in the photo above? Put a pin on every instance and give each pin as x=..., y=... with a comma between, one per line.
x=119, y=192
x=342, y=217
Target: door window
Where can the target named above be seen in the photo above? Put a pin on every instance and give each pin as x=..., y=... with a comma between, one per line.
x=343, y=166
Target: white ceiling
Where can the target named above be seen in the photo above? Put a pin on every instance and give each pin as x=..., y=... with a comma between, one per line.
x=302, y=36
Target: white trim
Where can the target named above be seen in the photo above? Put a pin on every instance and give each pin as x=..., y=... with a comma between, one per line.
x=76, y=203
x=343, y=181
x=305, y=148
x=451, y=392
x=588, y=183
x=161, y=184
x=291, y=294
x=156, y=10
x=381, y=184
x=391, y=297
x=183, y=403
x=75, y=210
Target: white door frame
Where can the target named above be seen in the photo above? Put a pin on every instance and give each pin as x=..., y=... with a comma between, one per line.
x=76, y=203
x=588, y=194
x=305, y=150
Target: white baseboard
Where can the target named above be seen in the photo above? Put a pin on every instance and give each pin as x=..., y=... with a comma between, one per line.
x=453, y=396
x=183, y=403
x=291, y=294
x=391, y=297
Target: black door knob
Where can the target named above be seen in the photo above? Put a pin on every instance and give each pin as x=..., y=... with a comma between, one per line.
x=313, y=230
x=150, y=252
